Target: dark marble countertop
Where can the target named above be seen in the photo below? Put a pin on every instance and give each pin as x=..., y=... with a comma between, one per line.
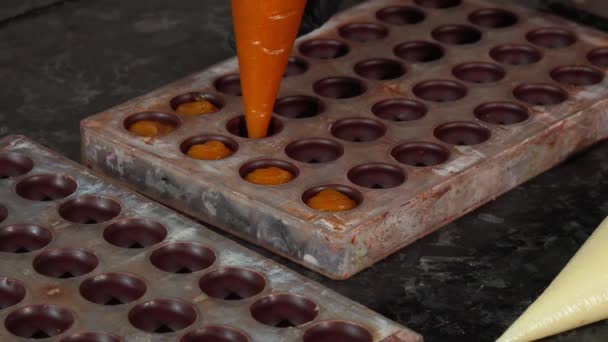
x=63, y=60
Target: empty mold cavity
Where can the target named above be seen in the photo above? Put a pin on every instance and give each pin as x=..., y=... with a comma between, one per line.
x=14, y=165
x=339, y=87
x=299, y=107
x=363, y=32
x=65, y=262
x=493, y=18
x=324, y=48
x=456, y=34
x=502, y=113
x=238, y=127
x=163, y=316
x=516, y=54
x=400, y=15
x=440, y=90
x=12, y=292
x=215, y=334
x=46, y=187
x=183, y=257
x=89, y=209
x=479, y=72
x=399, y=110
x=266, y=163
x=232, y=283
x=598, y=57
x=358, y=130
x=551, y=37
x=135, y=233
x=113, y=288
x=284, y=310
x=201, y=139
x=229, y=85
x=3, y=213
x=39, y=321
x=377, y=176
x=540, y=94
x=337, y=331
x=463, y=133
x=163, y=118
x=215, y=100
x=296, y=66
x=314, y=150
x=577, y=75
x=380, y=69
x=345, y=190
x=438, y=4
x=419, y=51
x=91, y=337
x=420, y=154
x=24, y=238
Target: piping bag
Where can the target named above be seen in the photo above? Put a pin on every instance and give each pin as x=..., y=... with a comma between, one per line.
x=265, y=32
x=578, y=296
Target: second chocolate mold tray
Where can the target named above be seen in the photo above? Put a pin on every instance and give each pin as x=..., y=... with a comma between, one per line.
x=419, y=110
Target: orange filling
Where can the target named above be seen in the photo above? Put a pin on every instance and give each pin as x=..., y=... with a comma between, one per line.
x=150, y=128
x=331, y=200
x=270, y=176
x=211, y=150
x=198, y=107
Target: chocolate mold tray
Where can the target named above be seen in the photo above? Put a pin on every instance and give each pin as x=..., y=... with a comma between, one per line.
x=420, y=110
x=83, y=259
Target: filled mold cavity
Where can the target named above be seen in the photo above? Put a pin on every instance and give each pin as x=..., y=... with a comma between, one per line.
x=299, y=107
x=540, y=94
x=269, y=172
x=209, y=146
x=551, y=37
x=399, y=110
x=337, y=331
x=400, y=15
x=195, y=104
x=502, y=113
x=135, y=233
x=462, y=133
x=493, y=18
x=377, y=176
x=65, y=262
x=39, y=321
x=577, y=75
x=90, y=209
x=339, y=87
x=314, y=150
x=238, y=126
x=215, y=334
x=358, y=130
x=229, y=84
x=232, y=284
x=47, y=187
x=380, y=69
x=324, y=48
x=284, y=310
x=419, y=51
x=151, y=124
x=296, y=66
x=440, y=90
x=91, y=336
x=113, y=288
x=163, y=316
x=363, y=32
x=420, y=154
x=332, y=198
x=456, y=34
x=183, y=257
x=14, y=165
x=598, y=57
x=438, y=4
x=24, y=238
x=516, y=54
x=479, y=72
x=12, y=292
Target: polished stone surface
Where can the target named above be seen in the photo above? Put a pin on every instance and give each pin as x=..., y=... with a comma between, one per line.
x=467, y=282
